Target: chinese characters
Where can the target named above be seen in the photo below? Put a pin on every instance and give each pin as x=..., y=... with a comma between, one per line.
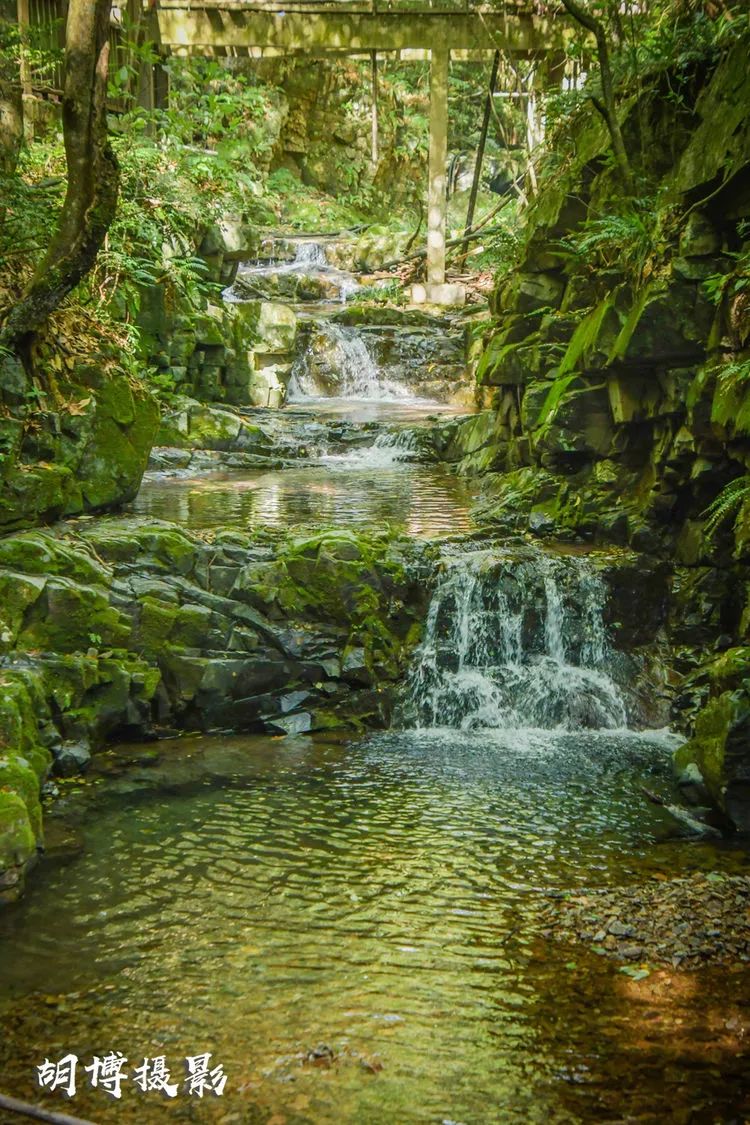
x=152, y=1076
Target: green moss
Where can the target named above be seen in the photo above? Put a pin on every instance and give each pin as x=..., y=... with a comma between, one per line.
x=17, y=594
x=18, y=777
x=20, y=709
x=191, y=626
x=38, y=552
x=707, y=746
x=17, y=840
x=116, y=398
x=154, y=624
x=43, y=491
x=74, y=618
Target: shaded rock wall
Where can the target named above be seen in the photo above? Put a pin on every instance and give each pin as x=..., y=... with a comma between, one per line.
x=600, y=375
x=219, y=352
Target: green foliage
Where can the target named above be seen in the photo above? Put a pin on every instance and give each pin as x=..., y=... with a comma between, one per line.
x=152, y=237
x=39, y=46
x=389, y=292
x=560, y=392
x=584, y=339
x=728, y=503
x=730, y=406
x=680, y=39
x=300, y=207
x=625, y=239
x=735, y=281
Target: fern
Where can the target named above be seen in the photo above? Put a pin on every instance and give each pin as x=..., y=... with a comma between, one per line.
x=585, y=336
x=729, y=502
x=624, y=239
x=731, y=399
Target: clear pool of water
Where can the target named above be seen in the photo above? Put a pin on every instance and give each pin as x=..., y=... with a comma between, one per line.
x=353, y=931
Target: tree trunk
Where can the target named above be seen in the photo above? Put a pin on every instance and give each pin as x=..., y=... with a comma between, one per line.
x=11, y=111
x=93, y=173
x=11, y=125
x=607, y=108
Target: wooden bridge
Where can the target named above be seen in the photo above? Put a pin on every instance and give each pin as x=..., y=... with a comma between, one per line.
x=533, y=28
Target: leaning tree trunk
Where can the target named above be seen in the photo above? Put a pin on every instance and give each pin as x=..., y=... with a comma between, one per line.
x=607, y=108
x=93, y=174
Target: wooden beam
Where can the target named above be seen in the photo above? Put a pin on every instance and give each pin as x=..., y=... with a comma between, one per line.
x=196, y=28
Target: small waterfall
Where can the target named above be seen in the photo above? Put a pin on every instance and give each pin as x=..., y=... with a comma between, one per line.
x=388, y=450
x=341, y=361
x=515, y=641
x=309, y=255
x=278, y=276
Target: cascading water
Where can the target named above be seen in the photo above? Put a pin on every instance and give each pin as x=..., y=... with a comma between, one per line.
x=389, y=449
x=309, y=255
x=279, y=276
x=516, y=641
x=352, y=370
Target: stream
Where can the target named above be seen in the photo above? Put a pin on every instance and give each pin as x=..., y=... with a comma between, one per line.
x=353, y=927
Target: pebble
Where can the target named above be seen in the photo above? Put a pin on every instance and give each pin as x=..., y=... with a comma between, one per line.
x=683, y=922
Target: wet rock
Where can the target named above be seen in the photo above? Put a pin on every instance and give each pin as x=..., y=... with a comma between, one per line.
x=72, y=758
x=299, y=723
x=300, y=622
x=63, y=842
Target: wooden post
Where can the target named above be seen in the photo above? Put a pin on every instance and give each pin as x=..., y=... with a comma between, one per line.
x=436, y=291
x=436, y=195
x=374, y=99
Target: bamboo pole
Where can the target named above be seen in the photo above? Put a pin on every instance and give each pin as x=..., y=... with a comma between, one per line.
x=482, y=143
x=27, y=93
x=13, y=1105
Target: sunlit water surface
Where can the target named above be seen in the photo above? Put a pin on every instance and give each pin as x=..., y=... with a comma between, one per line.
x=354, y=932
x=364, y=487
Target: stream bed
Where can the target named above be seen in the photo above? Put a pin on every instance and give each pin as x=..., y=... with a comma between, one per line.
x=352, y=930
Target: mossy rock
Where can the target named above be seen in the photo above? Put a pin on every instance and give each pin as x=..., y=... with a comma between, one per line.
x=17, y=593
x=43, y=553
x=17, y=776
x=73, y=617
x=31, y=493
x=18, y=844
x=718, y=749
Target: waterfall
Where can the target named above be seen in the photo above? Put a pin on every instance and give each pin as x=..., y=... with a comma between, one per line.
x=515, y=641
x=389, y=449
x=341, y=360
x=277, y=276
x=310, y=255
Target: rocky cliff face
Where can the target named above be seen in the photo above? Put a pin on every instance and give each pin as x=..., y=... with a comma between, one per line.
x=606, y=370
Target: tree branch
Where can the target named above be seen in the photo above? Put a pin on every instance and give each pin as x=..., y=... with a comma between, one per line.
x=608, y=107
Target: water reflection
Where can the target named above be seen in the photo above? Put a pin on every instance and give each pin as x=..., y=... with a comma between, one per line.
x=353, y=931
x=421, y=500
